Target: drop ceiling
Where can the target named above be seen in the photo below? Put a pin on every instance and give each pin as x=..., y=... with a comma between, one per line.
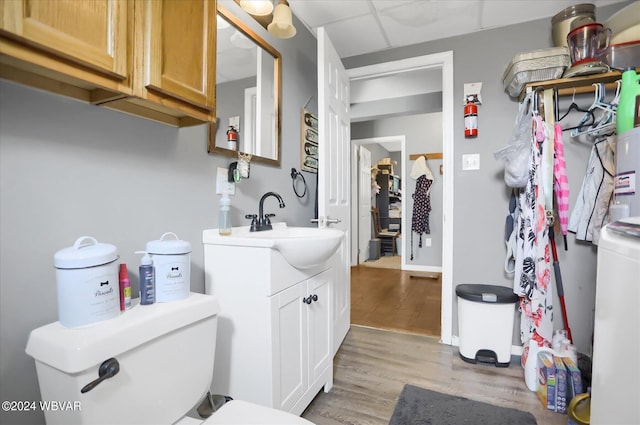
x=358, y=27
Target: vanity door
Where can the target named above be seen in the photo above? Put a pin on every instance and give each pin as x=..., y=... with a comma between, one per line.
x=289, y=321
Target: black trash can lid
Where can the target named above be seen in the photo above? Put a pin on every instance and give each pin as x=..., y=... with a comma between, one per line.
x=486, y=293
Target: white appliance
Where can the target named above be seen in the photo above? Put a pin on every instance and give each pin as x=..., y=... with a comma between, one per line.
x=615, y=387
x=626, y=183
x=164, y=356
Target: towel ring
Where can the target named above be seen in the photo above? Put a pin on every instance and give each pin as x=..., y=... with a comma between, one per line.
x=294, y=175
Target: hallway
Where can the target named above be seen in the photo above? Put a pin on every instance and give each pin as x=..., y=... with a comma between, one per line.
x=392, y=299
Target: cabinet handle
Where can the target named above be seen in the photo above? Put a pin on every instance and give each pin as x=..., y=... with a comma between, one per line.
x=310, y=299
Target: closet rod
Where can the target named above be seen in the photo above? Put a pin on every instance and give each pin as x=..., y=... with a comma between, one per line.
x=581, y=84
x=433, y=155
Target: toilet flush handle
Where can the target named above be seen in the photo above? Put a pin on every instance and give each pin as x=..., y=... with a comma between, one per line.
x=108, y=369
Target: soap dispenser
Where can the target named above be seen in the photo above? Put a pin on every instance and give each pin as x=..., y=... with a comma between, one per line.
x=147, y=279
x=224, y=217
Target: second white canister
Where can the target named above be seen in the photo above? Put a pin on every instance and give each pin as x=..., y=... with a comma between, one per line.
x=87, y=282
x=172, y=263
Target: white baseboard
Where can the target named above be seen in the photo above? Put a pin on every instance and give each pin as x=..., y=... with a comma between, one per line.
x=418, y=268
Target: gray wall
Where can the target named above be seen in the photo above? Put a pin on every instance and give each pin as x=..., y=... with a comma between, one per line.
x=480, y=198
x=423, y=134
x=69, y=169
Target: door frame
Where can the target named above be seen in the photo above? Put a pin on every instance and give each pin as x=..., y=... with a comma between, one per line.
x=444, y=62
x=355, y=205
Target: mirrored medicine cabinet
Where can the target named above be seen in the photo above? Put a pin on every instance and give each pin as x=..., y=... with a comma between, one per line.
x=248, y=87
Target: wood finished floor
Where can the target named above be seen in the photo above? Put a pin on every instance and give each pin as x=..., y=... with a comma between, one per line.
x=391, y=299
x=373, y=365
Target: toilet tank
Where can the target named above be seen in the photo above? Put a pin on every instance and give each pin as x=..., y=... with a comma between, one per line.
x=166, y=355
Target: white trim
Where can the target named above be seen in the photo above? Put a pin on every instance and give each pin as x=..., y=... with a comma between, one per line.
x=435, y=60
x=444, y=61
x=418, y=268
x=248, y=130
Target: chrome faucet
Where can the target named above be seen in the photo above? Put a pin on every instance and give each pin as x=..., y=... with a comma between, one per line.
x=263, y=221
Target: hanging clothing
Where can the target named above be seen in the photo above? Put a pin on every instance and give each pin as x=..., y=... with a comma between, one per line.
x=560, y=181
x=420, y=168
x=591, y=211
x=421, y=209
x=532, y=275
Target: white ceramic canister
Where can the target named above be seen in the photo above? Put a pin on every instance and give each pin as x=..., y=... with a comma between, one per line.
x=172, y=264
x=87, y=282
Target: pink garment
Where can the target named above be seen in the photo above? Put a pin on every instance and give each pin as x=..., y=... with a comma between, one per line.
x=561, y=183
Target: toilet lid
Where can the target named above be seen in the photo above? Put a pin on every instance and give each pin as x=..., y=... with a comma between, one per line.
x=237, y=412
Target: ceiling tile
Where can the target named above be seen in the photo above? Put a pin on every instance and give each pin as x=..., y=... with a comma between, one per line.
x=386, y=4
x=317, y=13
x=498, y=13
x=356, y=36
x=422, y=21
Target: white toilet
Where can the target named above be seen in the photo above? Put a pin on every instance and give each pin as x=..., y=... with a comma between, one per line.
x=165, y=353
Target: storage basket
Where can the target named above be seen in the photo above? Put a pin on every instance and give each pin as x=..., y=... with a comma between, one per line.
x=537, y=65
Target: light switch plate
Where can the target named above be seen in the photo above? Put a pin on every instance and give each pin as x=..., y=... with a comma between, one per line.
x=235, y=122
x=471, y=161
x=222, y=182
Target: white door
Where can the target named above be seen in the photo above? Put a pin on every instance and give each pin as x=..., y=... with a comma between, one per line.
x=334, y=173
x=364, y=204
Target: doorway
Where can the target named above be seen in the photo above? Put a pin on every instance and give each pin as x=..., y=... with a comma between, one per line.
x=362, y=198
x=443, y=62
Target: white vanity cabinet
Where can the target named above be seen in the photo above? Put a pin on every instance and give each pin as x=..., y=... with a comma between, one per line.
x=300, y=318
x=274, y=329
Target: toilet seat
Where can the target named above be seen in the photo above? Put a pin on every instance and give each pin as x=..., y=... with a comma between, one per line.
x=238, y=412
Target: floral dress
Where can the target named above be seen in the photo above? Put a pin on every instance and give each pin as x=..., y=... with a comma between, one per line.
x=532, y=278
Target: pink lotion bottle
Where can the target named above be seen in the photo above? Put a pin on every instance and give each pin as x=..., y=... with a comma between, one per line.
x=125, y=288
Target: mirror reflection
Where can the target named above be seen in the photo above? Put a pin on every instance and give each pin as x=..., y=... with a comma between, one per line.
x=247, y=93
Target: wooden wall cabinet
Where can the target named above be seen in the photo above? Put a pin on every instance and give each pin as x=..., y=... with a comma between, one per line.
x=150, y=58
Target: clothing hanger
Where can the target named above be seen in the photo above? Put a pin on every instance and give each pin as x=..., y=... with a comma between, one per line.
x=605, y=124
x=580, y=128
x=574, y=107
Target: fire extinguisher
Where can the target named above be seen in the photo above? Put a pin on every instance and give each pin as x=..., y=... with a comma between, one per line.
x=470, y=118
x=232, y=139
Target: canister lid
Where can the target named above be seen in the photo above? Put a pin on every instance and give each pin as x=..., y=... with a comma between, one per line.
x=168, y=246
x=486, y=293
x=85, y=252
x=584, y=9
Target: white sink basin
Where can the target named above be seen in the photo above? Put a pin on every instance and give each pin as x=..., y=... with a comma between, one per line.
x=302, y=247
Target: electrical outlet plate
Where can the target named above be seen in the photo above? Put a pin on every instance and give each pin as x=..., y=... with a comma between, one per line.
x=471, y=161
x=222, y=182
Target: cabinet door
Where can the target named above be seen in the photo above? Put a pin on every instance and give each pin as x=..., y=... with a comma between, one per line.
x=178, y=42
x=290, y=346
x=319, y=318
x=93, y=33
